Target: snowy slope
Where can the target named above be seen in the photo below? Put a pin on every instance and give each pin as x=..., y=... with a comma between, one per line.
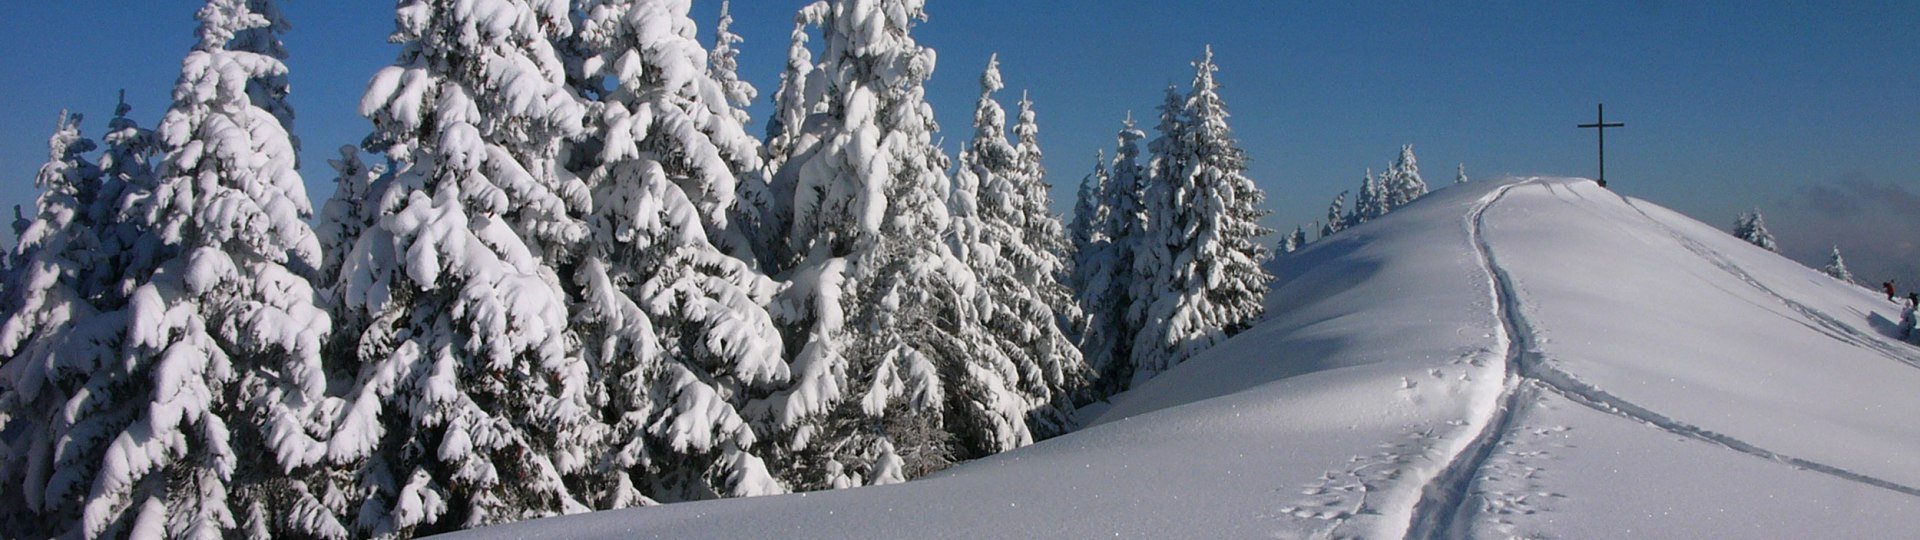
x=1527, y=357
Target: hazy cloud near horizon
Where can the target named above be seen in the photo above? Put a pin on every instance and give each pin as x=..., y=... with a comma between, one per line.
x=1875, y=222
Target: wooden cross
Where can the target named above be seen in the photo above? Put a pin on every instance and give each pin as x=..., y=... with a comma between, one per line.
x=1601, y=124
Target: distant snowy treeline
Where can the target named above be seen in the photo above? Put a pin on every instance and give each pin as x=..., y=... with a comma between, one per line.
x=565, y=278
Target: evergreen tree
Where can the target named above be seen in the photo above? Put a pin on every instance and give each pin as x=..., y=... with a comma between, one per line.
x=752, y=197
x=676, y=328
x=1295, y=240
x=1753, y=228
x=1153, y=248
x=1106, y=270
x=469, y=407
x=1215, y=285
x=1372, y=202
x=1336, y=216
x=894, y=374
x=1402, y=181
x=1837, y=267
x=1090, y=213
x=232, y=284
x=56, y=344
x=801, y=95
x=1014, y=246
x=1460, y=174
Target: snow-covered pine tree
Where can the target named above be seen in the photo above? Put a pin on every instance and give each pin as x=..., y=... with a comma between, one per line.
x=469, y=408
x=801, y=96
x=1460, y=174
x=1090, y=213
x=1837, y=267
x=894, y=374
x=1371, y=203
x=1107, y=272
x=1154, y=245
x=676, y=329
x=1336, y=216
x=1402, y=180
x=1014, y=247
x=218, y=343
x=1215, y=285
x=1295, y=240
x=73, y=375
x=1753, y=228
x=55, y=342
x=752, y=194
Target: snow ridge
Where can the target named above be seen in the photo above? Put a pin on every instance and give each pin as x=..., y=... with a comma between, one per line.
x=1820, y=321
x=1445, y=505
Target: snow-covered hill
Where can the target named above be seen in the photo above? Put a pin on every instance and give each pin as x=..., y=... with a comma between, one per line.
x=1527, y=357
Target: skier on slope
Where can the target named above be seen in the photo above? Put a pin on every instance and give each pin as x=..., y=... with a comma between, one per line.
x=1889, y=288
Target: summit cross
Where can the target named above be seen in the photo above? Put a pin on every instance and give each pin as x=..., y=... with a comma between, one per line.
x=1601, y=124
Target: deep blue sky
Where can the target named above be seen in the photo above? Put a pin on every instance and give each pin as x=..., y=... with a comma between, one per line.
x=1803, y=109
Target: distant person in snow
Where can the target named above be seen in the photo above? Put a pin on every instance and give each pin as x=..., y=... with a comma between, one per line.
x=1889, y=287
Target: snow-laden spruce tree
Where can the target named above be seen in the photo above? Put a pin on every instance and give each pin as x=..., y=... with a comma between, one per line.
x=56, y=343
x=1402, y=181
x=675, y=328
x=1336, y=216
x=1106, y=271
x=1013, y=245
x=1295, y=240
x=469, y=407
x=213, y=390
x=1153, y=251
x=67, y=396
x=1837, y=267
x=1371, y=203
x=1460, y=174
x=789, y=143
x=893, y=373
x=1090, y=213
x=751, y=200
x=1753, y=228
x=1213, y=284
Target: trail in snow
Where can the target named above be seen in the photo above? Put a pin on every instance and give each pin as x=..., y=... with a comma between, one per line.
x=1445, y=504
x=1444, y=496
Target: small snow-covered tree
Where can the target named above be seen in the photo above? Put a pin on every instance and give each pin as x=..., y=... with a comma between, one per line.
x=1106, y=270
x=1213, y=285
x=1295, y=240
x=1336, y=216
x=1090, y=212
x=1837, y=267
x=1460, y=174
x=1753, y=228
x=1371, y=203
x=1402, y=182
x=676, y=328
x=470, y=407
x=789, y=143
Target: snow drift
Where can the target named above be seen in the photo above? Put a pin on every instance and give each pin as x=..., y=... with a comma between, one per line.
x=1524, y=357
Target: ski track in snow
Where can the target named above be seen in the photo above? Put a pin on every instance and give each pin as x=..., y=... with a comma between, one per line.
x=1445, y=507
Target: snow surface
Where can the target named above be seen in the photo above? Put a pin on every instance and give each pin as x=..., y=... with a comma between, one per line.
x=1519, y=357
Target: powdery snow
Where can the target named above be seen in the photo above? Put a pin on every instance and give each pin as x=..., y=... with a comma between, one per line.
x=1518, y=357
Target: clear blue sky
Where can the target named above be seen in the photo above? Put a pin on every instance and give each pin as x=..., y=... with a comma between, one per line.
x=1803, y=109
